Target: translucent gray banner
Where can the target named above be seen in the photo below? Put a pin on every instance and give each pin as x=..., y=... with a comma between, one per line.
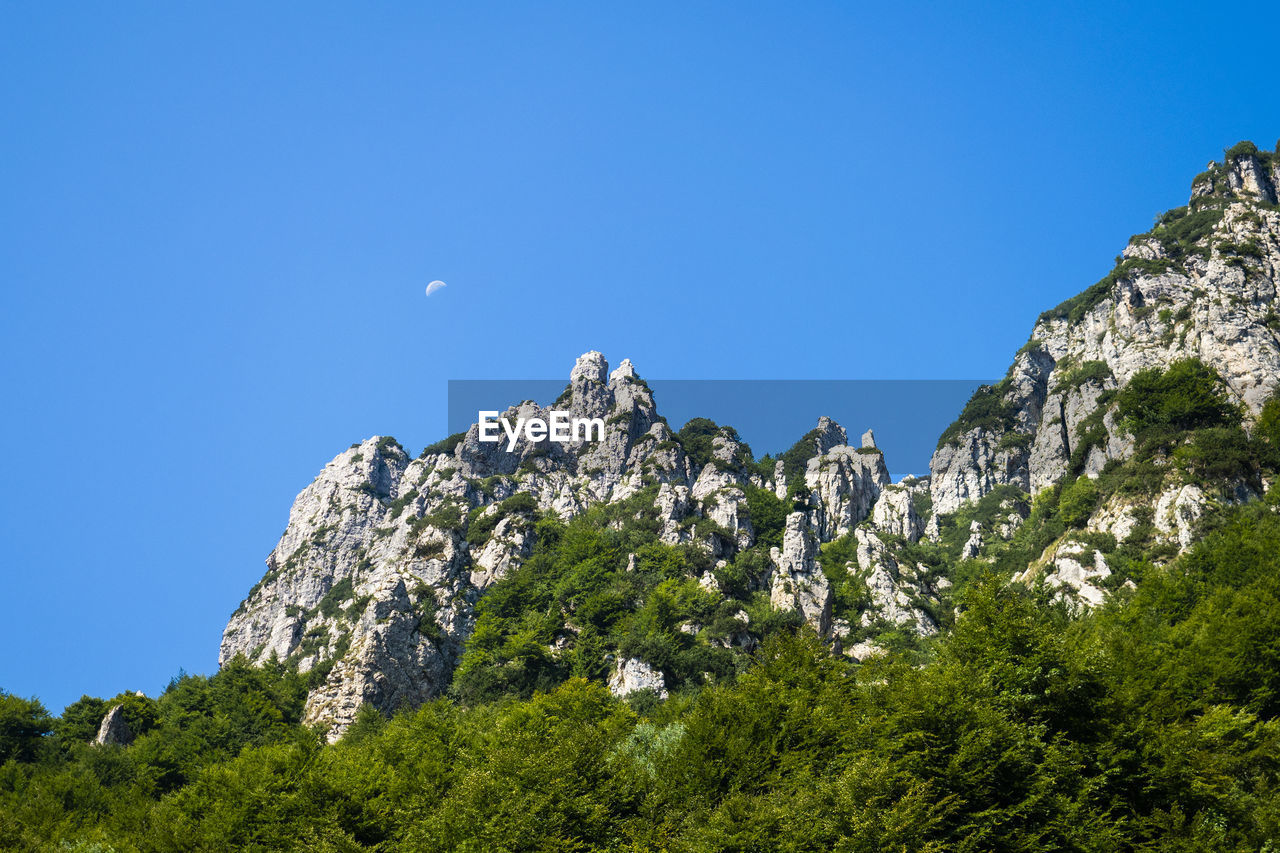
x=770, y=415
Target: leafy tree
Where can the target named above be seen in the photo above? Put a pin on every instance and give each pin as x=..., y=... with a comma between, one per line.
x=1187, y=396
x=81, y=720
x=696, y=438
x=23, y=725
x=768, y=516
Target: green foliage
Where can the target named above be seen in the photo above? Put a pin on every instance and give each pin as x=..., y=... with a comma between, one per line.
x=796, y=458
x=987, y=409
x=696, y=438
x=481, y=525
x=141, y=713
x=1180, y=415
x=446, y=446
x=1090, y=371
x=839, y=562
x=387, y=445
x=1218, y=455
x=1268, y=427
x=23, y=726
x=1240, y=149
x=398, y=505
x=603, y=588
x=1183, y=232
x=768, y=516
x=1152, y=723
x=1014, y=441
x=1079, y=499
x=1186, y=396
x=447, y=517
x=80, y=720
x=337, y=594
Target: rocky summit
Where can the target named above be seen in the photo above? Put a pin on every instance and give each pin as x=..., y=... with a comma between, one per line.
x=373, y=586
x=377, y=585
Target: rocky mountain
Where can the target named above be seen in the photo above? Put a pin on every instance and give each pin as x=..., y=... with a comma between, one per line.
x=1199, y=286
x=375, y=587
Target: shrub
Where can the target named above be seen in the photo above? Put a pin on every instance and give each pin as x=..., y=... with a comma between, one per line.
x=338, y=593
x=987, y=409
x=1240, y=149
x=1078, y=501
x=1091, y=371
x=1268, y=427
x=23, y=725
x=447, y=445
x=1186, y=396
x=696, y=437
x=481, y=526
x=768, y=516
x=1218, y=454
x=796, y=458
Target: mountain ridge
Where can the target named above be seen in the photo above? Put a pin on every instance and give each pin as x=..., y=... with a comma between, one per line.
x=376, y=586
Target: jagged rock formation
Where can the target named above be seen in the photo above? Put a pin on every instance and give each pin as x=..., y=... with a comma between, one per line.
x=372, y=588
x=799, y=582
x=634, y=674
x=895, y=511
x=114, y=730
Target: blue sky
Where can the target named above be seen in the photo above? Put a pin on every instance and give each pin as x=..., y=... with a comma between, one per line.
x=217, y=221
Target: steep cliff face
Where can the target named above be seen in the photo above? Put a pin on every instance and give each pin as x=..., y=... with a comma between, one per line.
x=1201, y=284
x=373, y=586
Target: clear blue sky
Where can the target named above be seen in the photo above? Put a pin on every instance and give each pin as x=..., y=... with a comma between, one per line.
x=217, y=221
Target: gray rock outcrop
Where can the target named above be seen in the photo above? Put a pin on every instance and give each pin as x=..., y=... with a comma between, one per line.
x=373, y=585
x=114, y=730
x=634, y=674
x=798, y=583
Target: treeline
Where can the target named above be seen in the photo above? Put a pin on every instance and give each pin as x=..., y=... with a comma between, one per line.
x=1150, y=724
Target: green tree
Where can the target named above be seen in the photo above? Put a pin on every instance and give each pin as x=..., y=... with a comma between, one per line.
x=23, y=726
x=81, y=719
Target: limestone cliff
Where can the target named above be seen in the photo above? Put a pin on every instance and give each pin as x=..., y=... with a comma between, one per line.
x=1201, y=284
x=373, y=585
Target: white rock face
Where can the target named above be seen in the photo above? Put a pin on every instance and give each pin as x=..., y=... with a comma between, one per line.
x=895, y=513
x=673, y=507
x=830, y=434
x=1077, y=568
x=1177, y=513
x=973, y=545
x=114, y=730
x=510, y=544
x=634, y=674
x=864, y=651
x=1116, y=517
x=845, y=484
x=798, y=582
x=888, y=588
x=966, y=471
